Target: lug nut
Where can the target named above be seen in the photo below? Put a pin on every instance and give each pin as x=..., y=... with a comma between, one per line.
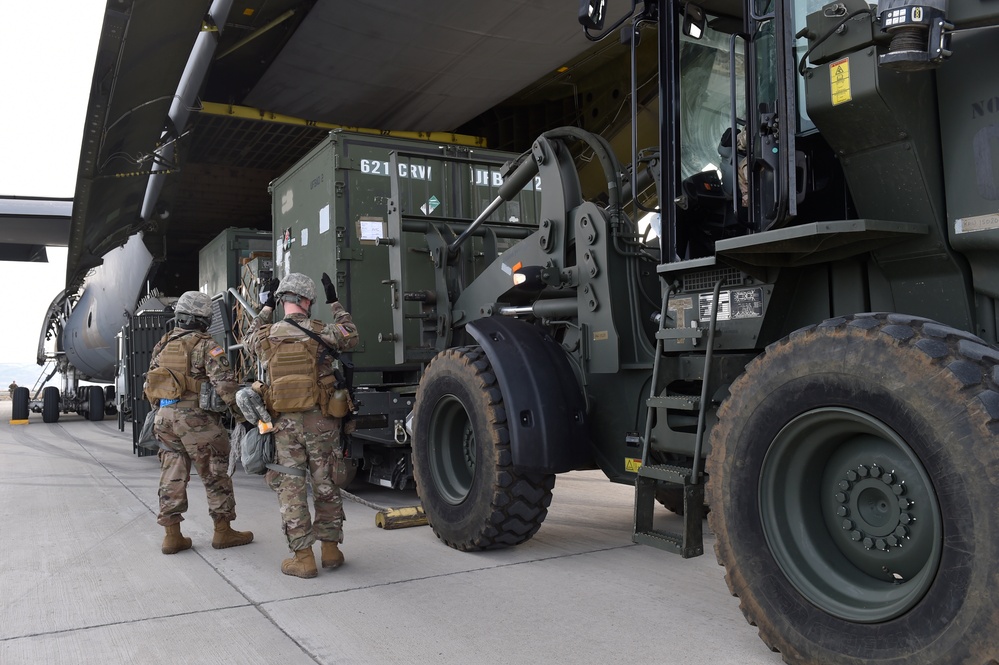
x=868, y=543
x=844, y=484
x=842, y=511
x=901, y=531
x=840, y=497
x=856, y=536
x=905, y=518
x=851, y=475
x=898, y=489
x=892, y=540
x=862, y=471
x=881, y=544
x=847, y=524
x=904, y=503
x=888, y=478
x=876, y=471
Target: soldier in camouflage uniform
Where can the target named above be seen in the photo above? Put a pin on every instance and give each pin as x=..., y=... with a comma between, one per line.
x=188, y=434
x=307, y=441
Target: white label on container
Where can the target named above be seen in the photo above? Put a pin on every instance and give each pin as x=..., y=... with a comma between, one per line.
x=287, y=201
x=370, y=229
x=324, y=218
x=305, y=237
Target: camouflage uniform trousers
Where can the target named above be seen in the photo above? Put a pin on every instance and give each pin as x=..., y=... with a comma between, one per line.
x=198, y=437
x=309, y=441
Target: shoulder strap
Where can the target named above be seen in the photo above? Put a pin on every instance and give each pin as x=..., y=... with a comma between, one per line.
x=333, y=351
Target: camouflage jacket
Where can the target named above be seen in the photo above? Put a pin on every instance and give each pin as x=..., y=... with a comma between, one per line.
x=208, y=362
x=341, y=334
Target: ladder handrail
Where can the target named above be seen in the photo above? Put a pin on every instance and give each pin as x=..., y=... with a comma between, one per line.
x=655, y=376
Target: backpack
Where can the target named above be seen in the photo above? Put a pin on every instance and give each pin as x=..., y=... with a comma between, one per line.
x=291, y=372
x=173, y=376
x=257, y=451
x=257, y=454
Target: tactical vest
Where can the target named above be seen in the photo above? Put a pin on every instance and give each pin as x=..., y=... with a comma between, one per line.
x=291, y=371
x=172, y=379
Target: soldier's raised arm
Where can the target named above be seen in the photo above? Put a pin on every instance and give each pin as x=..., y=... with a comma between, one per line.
x=341, y=333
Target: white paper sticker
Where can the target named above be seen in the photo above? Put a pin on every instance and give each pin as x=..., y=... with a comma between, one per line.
x=370, y=230
x=324, y=218
x=287, y=201
x=305, y=237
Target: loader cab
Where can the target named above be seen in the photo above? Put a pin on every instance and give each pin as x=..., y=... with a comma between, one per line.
x=739, y=166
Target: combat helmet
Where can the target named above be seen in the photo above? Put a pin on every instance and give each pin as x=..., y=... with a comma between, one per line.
x=296, y=286
x=194, y=308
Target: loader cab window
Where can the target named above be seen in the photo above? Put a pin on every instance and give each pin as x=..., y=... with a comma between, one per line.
x=709, y=151
x=767, y=65
x=802, y=8
x=705, y=98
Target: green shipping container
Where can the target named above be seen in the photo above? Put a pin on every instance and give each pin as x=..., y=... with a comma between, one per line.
x=330, y=214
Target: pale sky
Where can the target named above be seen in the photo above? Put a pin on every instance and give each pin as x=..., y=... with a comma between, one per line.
x=47, y=53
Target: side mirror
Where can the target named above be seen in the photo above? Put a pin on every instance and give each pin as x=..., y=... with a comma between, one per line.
x=693, y=21
x=592, y=13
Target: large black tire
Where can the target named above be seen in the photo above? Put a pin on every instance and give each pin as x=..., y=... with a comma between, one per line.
x=473, y=498
x=854, y=479
x=95, y=403
x=50, y=404
x=19, y=403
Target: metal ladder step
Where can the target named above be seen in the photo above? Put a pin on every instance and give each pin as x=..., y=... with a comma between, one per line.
x=678, y=402
x=678, y=475
x=663, y=540
x=688, y=543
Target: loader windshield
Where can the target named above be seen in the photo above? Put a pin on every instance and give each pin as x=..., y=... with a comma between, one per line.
x=705, y=99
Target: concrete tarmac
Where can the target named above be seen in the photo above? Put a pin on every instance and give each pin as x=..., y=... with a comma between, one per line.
x=82, y=579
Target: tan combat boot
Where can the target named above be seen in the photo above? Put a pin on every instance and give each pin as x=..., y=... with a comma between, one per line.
x=303, y=564
x=332, y=556
x=226, y=536
x=175, y=541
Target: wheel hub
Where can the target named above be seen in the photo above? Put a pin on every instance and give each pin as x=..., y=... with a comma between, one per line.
x=850, y=514
x=872, y=508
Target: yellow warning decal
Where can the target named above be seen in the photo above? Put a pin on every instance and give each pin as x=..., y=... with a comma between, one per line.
x=600, y=335
x=839, y=81
x=631, y=464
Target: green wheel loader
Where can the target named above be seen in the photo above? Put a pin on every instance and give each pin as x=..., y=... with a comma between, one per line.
x=783, y=314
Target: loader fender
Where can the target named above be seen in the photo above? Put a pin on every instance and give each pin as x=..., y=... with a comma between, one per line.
x=546, y=411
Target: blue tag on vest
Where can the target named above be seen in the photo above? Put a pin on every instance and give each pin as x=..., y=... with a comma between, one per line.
x=168, y=402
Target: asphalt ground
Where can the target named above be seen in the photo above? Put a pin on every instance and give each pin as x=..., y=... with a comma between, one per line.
x=82, y=579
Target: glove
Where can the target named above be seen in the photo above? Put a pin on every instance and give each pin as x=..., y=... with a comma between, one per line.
x=330, y=289
x=267, y=289
x=251, y=404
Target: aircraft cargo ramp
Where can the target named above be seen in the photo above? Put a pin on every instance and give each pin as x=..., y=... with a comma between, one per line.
x=83, y=580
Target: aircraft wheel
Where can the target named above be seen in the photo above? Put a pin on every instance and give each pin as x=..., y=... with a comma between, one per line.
x=50, y=404
x=95, y=401
x=19, y=405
